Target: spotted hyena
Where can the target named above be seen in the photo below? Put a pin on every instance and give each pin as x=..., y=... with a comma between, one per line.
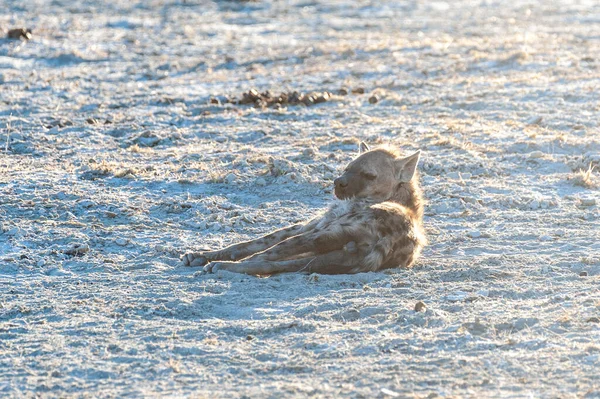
x=375, y=223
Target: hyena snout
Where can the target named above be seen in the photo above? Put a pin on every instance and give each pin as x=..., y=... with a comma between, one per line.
x=341, y=182
x=341, y=187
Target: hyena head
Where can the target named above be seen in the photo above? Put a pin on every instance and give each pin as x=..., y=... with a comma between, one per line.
x=380, y=175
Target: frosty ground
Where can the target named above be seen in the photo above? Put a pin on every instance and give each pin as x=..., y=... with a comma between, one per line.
x=114, y=161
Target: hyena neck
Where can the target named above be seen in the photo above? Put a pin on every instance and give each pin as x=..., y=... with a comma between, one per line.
x=409, y=195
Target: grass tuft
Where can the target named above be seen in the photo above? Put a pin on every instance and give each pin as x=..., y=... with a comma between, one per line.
x=585, y=178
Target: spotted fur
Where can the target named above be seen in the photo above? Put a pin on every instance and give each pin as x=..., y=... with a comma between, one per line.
x=375, y=224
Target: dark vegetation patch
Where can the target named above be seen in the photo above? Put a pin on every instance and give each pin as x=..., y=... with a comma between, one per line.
x=268, y=99
x=20, y=33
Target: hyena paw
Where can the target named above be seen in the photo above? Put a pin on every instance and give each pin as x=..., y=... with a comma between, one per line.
x=212, y=267
x=194, y=259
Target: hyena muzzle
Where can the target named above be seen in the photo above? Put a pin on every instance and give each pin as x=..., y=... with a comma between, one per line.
x=375, y=224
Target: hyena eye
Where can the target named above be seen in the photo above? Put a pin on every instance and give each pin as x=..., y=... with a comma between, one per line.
x=368, y=176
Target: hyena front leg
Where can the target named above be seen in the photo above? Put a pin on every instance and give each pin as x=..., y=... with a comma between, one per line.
x=299, y=247
x=247, y=248
x=307, y=243
x=335, y=262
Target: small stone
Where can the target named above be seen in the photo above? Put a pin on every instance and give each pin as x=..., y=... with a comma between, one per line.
x=420, y=307
x=374, y=99
x=358, y=90
x=196, y=225
x=535, y=154
x=261, y=182
x=524, y=322
x=110, y=214
x=226, y=205
x=475, y=328
x=230, y=178
x=535, y=204
x=589, y=201
x=147, y=139
x=457, y=296
x=349, y=315
x=56, y=271
x=87, y=203
x=583, y=274
x=535, y=120
x=470, y=200
x=78, y=250
x=593, y=320
x=309, y=152
x=474, y=234
x=342, y=92
x=390, y=393
x=58, y=123
x=322, y=97
x=121, y=242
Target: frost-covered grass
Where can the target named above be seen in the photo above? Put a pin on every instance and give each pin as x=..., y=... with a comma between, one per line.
x=114, y=161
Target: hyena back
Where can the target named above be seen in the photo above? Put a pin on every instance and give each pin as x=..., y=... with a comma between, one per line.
x=375, y=224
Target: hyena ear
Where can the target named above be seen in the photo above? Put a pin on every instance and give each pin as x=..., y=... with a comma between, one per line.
x=406, y=167
x=363, y=147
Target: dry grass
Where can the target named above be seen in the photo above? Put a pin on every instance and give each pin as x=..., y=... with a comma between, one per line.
x=107, y=169
x=585, y=178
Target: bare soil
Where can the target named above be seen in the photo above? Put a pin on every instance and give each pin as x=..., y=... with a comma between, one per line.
x=119, y=153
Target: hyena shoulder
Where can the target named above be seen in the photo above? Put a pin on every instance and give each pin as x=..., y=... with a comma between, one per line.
x=392, y=218
x=339, y=209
